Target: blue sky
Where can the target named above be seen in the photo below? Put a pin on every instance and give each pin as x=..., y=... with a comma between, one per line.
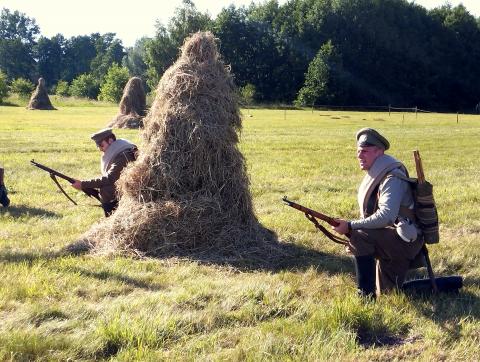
x=131, y=22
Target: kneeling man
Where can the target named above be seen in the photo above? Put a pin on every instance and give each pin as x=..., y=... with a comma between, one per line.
x=385, y=239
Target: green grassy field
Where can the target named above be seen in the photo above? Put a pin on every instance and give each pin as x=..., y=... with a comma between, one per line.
x=62, y=307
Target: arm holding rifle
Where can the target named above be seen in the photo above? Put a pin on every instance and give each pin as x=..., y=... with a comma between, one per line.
x=313, y=215
x=343, y=227
x=77, y=184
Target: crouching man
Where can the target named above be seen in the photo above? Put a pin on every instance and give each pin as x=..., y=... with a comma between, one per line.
x=116, y=154
x=385, y=239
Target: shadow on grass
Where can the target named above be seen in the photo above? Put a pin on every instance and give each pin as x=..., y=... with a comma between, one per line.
x=31, y=257
x=107, y=275
x=269, y=255
x=277, y=257
x=21, y=211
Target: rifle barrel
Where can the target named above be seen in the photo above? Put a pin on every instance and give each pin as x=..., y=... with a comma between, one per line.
x=52, y=171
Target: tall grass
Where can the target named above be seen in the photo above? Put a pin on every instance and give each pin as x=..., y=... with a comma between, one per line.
x=58, y=307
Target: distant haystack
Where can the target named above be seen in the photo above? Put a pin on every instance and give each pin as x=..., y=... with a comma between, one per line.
x=39, y=98
x=132, y=106
x=188, y=191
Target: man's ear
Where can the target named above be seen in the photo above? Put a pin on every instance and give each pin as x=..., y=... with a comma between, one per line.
x=110, y=141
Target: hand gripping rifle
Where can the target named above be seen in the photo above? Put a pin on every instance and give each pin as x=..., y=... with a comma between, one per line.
x=313, y=215
x=54, y=174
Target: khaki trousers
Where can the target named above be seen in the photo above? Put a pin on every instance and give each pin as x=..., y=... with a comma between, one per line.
x=393, y=254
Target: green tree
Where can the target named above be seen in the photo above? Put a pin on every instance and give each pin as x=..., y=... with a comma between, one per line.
x=17, y=40
x=324, y=81
x=3, y=86
x=62, y=89
x=85, y=85
x=160, y=53
x=16, y=25
x=50, y=56
x=134, y=60
x=22, y=87
x=247, y=94
x=78, y=55
x=187, y=20
x=162, y=50
x=115, y=80
x=109, y=50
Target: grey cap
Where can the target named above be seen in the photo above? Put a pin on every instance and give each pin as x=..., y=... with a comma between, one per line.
x=369, y=137
x=99, y=136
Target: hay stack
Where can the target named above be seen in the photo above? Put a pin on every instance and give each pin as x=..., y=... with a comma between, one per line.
x=132, y=106
x=189, y=189
x=39, y=98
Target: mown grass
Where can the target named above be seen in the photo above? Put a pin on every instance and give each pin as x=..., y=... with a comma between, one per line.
x=57, y=307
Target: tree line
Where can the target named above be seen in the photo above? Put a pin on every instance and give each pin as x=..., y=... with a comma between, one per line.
x=306, y=52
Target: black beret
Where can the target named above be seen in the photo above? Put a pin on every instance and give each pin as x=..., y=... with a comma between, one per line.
x=369, y=137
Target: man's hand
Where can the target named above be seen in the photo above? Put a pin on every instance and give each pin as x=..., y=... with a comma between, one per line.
x=77, y=185
x=342, y=227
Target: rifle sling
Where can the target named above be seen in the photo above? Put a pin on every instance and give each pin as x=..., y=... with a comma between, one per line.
x=327, y=233
x=52, y=176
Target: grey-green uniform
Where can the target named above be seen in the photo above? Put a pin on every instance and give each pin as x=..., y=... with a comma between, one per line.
x=113, y=161
x=386, y=231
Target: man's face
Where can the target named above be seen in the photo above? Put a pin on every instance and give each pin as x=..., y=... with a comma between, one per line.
x=105, y=144
x=367, y=156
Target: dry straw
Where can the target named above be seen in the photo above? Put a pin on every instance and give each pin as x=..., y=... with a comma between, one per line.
x=188, y=191
x=132, y=106
x=39, y=98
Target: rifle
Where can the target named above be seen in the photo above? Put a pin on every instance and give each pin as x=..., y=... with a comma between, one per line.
x=54, y=174
x=313, y=215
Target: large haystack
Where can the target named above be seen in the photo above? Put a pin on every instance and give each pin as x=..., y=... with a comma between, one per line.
x=132, y=106
x=189, y=189
x=39, y=98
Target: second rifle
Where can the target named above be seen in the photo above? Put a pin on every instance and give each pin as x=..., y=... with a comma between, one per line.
x=54, y=174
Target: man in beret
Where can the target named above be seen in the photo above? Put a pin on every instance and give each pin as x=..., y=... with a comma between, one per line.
x=4, y=200
x=385, y=239
x=116, y=154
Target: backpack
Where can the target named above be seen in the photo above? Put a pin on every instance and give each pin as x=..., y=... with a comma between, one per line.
x=425, y=208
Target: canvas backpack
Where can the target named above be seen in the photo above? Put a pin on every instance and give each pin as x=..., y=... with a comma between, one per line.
x=425, y=208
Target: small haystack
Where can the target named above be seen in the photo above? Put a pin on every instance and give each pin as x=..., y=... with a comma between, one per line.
x=132, y=106
x=188, y=191
x=39, y=98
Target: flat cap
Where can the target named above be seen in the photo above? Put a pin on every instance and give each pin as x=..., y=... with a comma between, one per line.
x=369, y=137
x=99, y=136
